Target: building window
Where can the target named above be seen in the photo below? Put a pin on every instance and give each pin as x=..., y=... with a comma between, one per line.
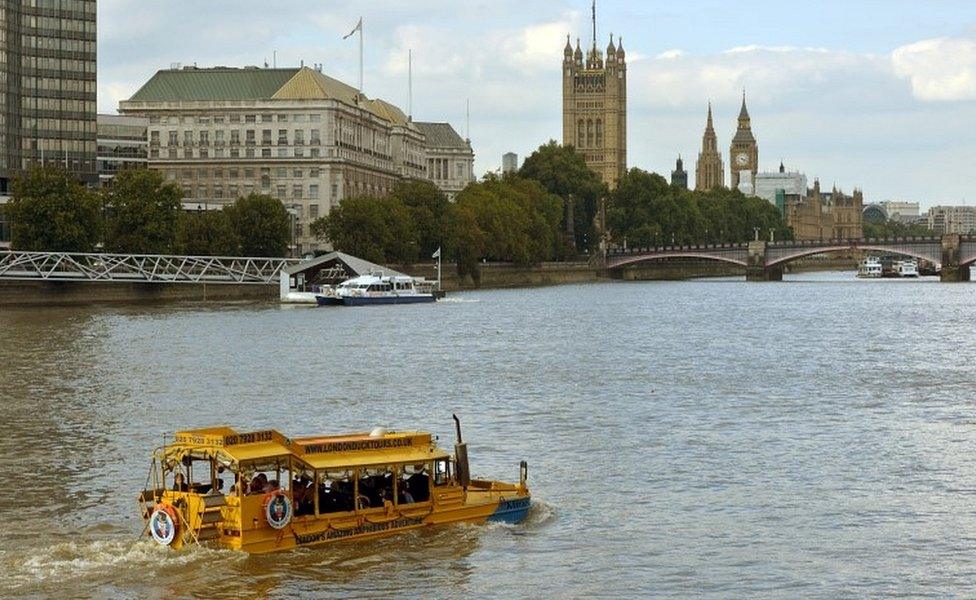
x=314, y=152
x=297, y=173
x=265, y=152
x=299, y=136
x=316, y=137
x=187, y=138
x=249, y=153
x=205, y=137
x=282, y=152
x=266, y=137
x=282, y=118
x=249, y=118
x=235, y=153
x=173, y=138
x=313, y=172
x=313, y=210
x=154, y=137
x=281, y=172
x=280, y=192
x=313, y=192
x=296, y=190
x=235, y=136
x=299, y=152
x=599, y=133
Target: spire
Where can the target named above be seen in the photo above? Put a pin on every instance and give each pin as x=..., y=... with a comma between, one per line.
x=594, y=24
x=782, y=169
x=568, y=50
x=611, y=49
x=709, y=126
x=744, y=113
x=578, y=54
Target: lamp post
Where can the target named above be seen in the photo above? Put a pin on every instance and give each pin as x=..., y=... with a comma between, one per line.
x=756, y=229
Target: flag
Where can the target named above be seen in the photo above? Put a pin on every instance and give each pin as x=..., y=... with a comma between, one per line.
x=358, y=27
x=437, y=254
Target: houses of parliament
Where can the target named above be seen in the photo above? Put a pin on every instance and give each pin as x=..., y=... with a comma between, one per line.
x=595, y=123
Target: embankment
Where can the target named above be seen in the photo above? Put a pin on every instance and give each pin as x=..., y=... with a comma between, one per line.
x=66, y=293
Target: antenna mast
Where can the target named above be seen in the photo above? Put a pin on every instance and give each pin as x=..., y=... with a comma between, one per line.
x=410, y=84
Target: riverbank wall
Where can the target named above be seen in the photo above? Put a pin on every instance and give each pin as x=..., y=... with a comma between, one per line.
x=492, y=275
x=69, y=293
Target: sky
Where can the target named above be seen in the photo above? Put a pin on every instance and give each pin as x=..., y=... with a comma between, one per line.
x=875, y=94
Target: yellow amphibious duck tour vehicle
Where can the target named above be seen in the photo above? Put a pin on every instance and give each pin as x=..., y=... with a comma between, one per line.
x=262, y=492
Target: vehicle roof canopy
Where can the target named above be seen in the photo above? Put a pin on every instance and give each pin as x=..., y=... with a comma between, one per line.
x=319, y=452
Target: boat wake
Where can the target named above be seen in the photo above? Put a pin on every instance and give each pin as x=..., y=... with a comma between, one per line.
x=93, y=560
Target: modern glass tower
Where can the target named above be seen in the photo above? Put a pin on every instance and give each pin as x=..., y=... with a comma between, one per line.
x=47, y=87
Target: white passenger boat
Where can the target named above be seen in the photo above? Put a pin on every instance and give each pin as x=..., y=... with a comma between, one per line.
x=869, y=268
x=367, y=290
x=906, y=268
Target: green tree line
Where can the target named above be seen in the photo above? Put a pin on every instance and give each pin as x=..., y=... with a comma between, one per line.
x=138, y=214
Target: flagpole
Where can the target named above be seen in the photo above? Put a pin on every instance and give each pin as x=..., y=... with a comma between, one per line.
x=360, y=55
x=438, y=269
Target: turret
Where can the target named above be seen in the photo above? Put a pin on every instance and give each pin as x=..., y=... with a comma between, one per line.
x=620, y=50
x=611, y=50
x=568, y=51
x=578, y=54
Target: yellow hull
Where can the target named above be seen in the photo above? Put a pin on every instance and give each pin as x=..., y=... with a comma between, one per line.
x=245, y=527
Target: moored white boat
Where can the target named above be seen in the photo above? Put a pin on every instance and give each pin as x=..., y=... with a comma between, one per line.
x=906, y=268
x=869, y=268
x=367, y=290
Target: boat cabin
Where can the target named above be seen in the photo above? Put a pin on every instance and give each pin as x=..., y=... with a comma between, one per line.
x=262, y=491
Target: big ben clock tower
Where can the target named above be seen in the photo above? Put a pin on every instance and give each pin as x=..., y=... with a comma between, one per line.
x=744, y=152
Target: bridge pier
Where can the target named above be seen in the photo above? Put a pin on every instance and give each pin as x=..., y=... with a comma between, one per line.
x=952, y=272
x=764, y=273
x=756, y=269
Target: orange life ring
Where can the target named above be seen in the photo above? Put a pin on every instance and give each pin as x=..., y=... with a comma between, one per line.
x=164, y=523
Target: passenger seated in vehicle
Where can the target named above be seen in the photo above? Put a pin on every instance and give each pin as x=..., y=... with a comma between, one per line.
x=179, y=483
x=419, y=485
x=258, y=483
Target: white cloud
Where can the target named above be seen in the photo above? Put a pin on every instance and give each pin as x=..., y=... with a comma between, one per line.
x=670, y=54
x=940, y=69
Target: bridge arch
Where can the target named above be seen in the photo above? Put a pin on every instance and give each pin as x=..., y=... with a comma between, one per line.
x=620, y=262
x=799, y=253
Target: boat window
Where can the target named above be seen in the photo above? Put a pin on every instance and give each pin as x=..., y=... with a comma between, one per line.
x=199, y=475
x=414, y=484
x=335, y=491
x=376, y=486
x=259, y=479
x=303, y=492
x=442, y=472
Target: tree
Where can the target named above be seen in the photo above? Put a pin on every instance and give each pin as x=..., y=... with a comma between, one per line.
x=142, y=213
x=380, y=230
x=645, y=211
x=429, y=208
x=261, y=224
x=892, y=228
x=52, y=212
x=206, y=233
x=563, y=172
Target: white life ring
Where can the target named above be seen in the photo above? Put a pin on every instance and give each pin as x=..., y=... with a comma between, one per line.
x=278, y=509
x=162, y=524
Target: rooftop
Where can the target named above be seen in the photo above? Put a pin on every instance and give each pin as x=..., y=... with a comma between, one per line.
x=441, y=135
x=193, y=84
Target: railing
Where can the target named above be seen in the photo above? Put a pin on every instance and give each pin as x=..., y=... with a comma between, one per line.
x=140, y=268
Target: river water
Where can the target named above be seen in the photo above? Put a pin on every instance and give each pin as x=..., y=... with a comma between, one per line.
x=812, y=438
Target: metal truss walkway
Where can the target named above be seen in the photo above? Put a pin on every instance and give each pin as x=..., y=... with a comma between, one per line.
x=140, y=268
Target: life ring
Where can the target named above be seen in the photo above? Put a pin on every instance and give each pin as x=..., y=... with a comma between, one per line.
x=278, y=509
x=163, y=524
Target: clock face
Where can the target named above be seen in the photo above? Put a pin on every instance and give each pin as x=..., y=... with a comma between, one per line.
x=742, y=159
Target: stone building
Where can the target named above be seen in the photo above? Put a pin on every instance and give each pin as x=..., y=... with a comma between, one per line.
x=595, y=107
x=709, y=172
x=679, y=177
x=294, y=133
x=952, y=219
x=820, y=216
x=47, y=104
x=449, y=158
x=744, y=154
x=122, y=144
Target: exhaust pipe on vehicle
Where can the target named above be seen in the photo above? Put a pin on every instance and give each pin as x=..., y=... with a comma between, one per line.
x=461, y=456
